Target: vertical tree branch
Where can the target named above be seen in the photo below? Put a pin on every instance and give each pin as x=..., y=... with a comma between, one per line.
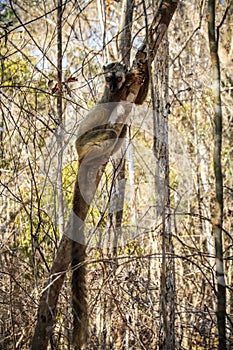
x=125, y=49
x=59, y=132
x=125, y=43
x=217, y=213
x=48, y=301
x=161, y=150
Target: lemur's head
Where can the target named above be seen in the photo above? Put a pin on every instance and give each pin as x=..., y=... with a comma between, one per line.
x=115, y=75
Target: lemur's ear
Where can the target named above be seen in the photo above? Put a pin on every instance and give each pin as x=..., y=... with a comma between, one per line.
x=104, y=67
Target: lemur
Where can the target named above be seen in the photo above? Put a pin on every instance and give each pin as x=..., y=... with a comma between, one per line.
x=97, y=139
x=95, y=135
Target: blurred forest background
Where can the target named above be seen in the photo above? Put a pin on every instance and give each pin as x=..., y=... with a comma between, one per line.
x=38, y=164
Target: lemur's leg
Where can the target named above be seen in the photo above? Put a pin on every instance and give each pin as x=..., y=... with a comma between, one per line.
x=97, y=144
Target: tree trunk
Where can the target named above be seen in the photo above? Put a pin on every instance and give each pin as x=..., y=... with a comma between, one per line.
x=59, y=131
x=161, y=151
x=217, y=213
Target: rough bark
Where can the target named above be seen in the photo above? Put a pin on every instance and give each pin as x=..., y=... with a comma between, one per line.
x=217, y=213
x=161, y=151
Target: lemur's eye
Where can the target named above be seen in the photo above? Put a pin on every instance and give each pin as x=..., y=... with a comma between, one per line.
x=108, y=79
x=119, y=78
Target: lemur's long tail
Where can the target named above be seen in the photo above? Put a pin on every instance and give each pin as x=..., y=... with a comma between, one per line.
x=87, y=180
